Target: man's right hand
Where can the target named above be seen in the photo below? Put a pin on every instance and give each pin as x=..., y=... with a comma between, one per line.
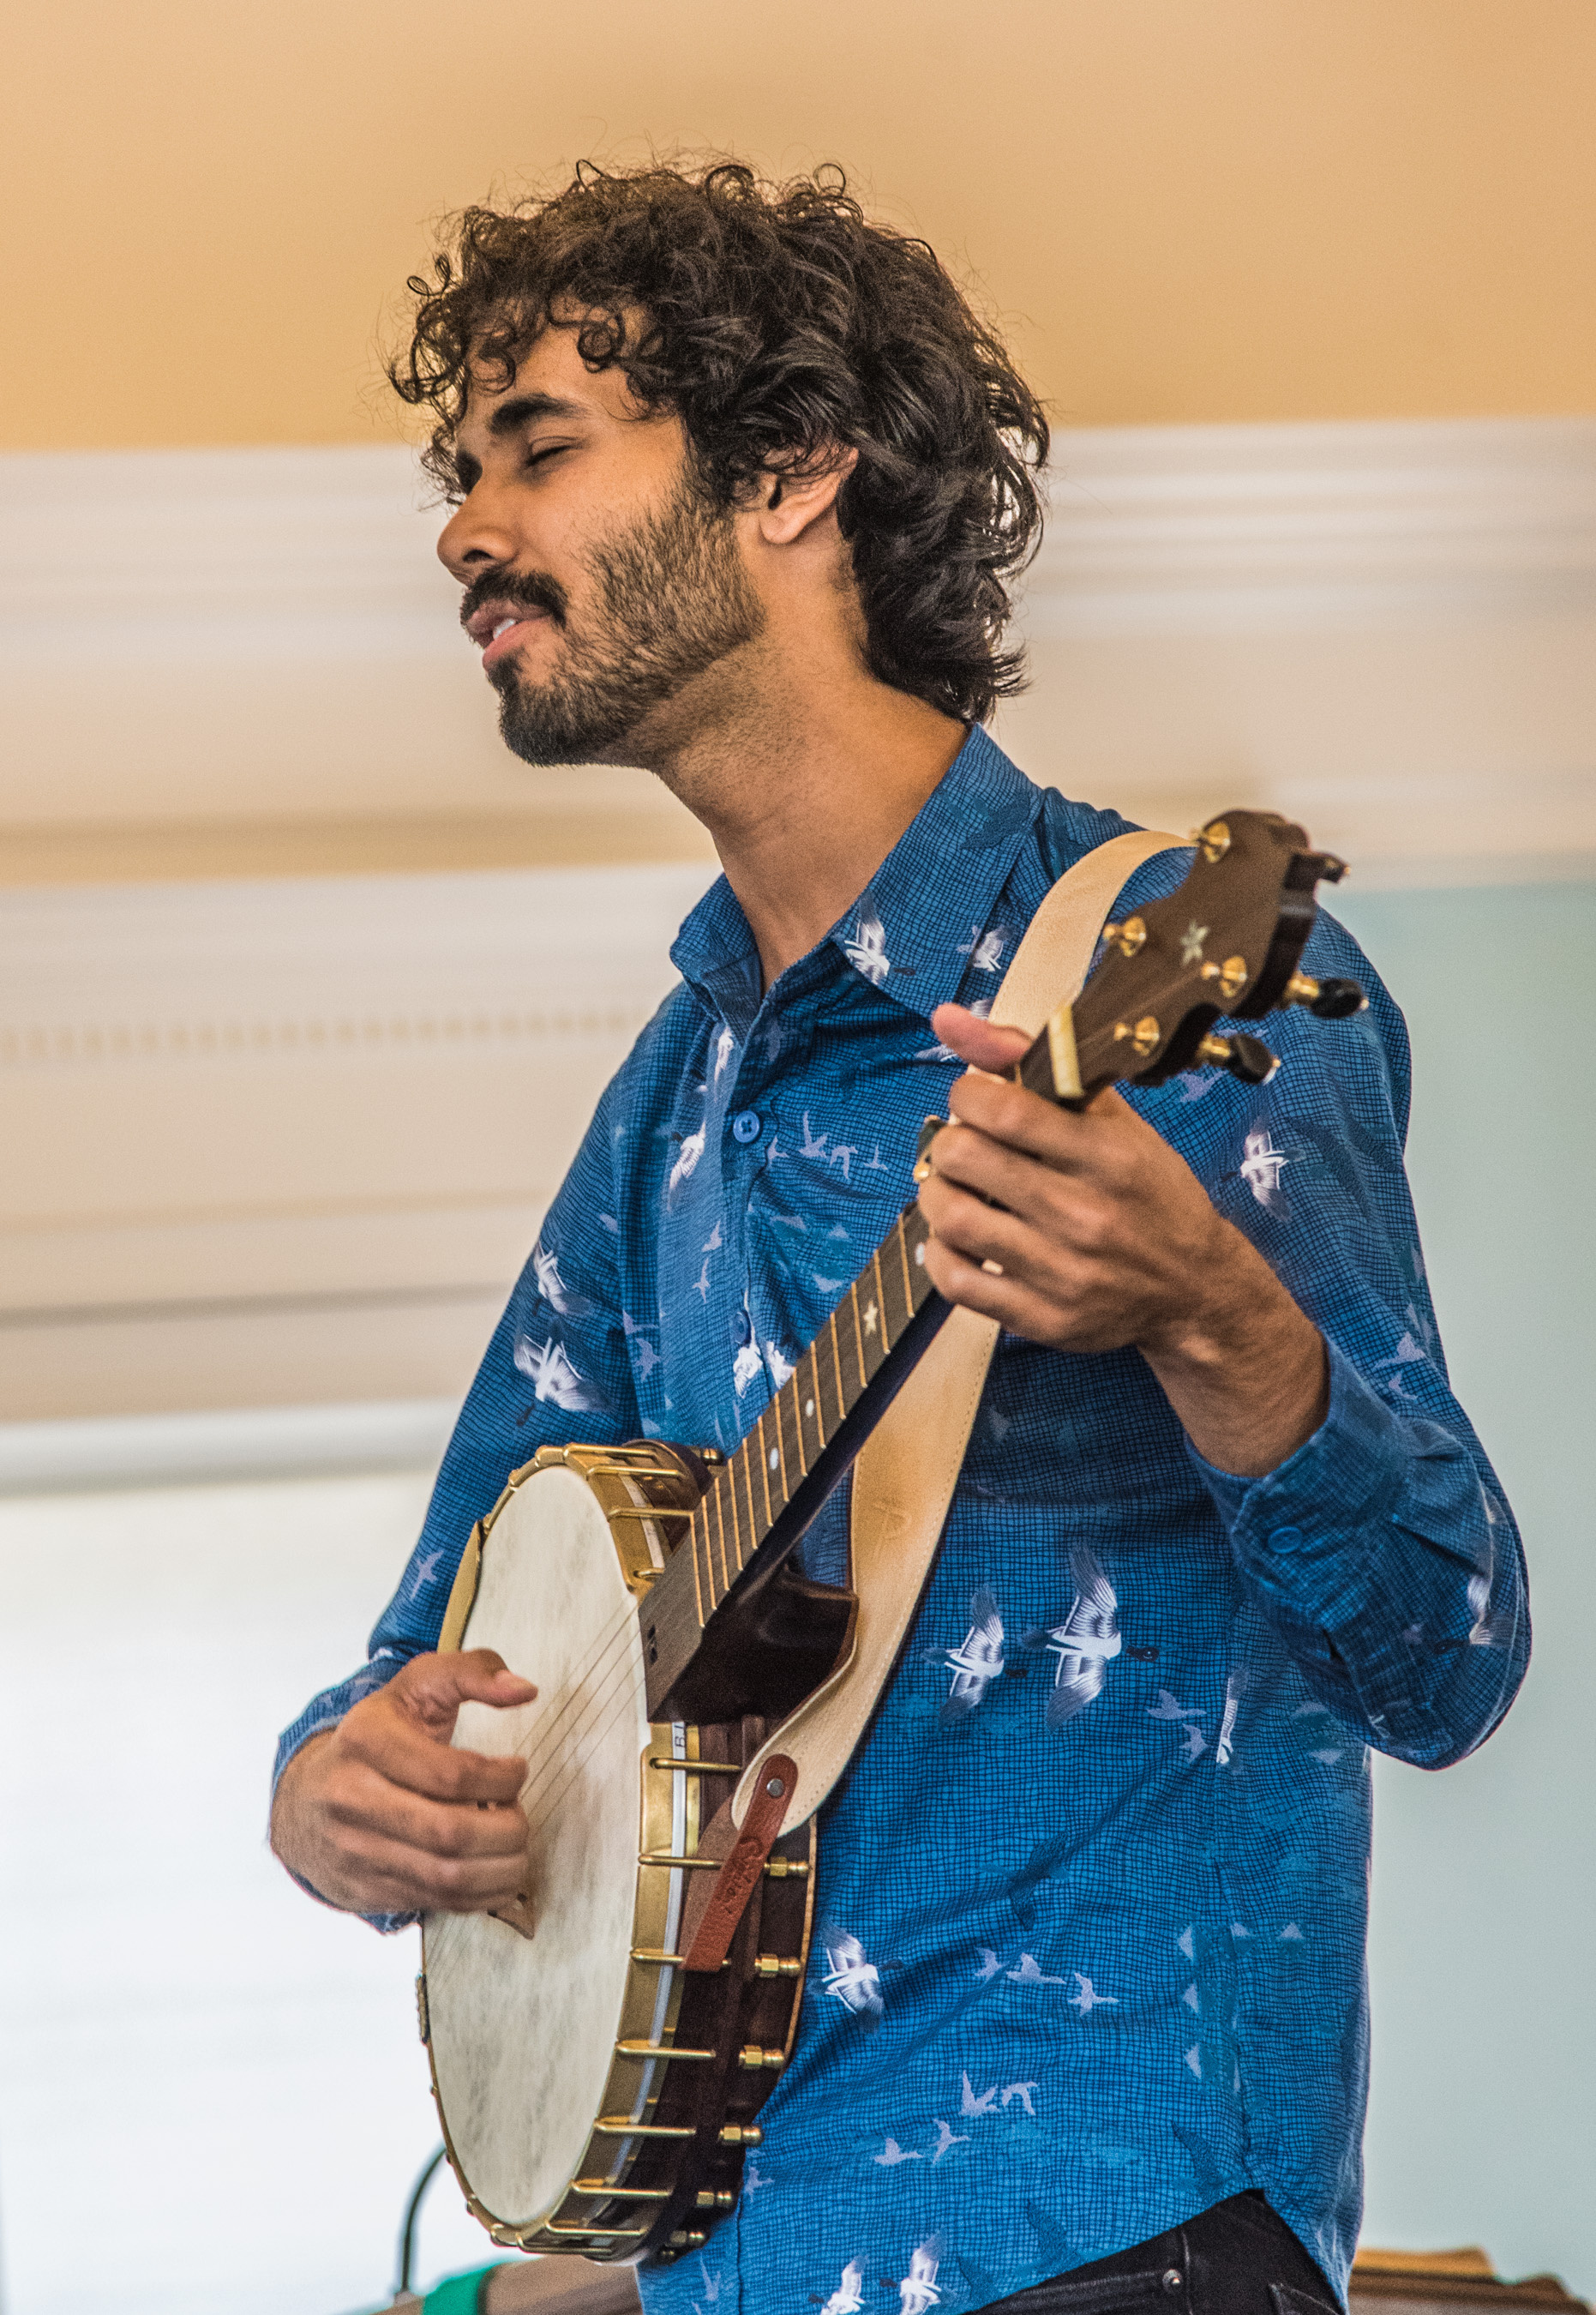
x=381, y=1814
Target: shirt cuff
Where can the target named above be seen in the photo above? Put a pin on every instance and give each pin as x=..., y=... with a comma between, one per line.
x=325, y=1713
x=1350, y=1472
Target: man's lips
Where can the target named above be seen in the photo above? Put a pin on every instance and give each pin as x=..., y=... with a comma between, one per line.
x=499, y=626
x=513, y=629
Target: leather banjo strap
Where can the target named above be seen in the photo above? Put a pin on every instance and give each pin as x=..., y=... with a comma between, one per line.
x=907, y=1471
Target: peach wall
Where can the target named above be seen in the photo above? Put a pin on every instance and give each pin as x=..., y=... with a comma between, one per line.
x=1185, y=209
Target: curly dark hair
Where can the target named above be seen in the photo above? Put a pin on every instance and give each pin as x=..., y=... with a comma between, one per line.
x=779, y=324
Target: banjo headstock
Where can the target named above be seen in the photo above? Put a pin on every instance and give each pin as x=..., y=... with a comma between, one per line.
x=1228, y=943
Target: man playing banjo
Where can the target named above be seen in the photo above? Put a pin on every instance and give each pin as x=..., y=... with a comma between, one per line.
x=739, y=479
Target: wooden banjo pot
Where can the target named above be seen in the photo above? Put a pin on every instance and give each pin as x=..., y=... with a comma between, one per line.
x=599, y=2052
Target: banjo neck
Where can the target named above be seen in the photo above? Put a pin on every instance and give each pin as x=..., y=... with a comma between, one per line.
x=729, y=1623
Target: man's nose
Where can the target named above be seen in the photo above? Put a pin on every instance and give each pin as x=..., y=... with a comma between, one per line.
x=475, y=536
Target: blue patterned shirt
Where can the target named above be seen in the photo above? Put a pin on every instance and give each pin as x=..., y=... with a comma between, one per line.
x=1090, y=1950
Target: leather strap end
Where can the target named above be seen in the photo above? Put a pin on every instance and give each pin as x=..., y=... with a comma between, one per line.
x=738, y=1875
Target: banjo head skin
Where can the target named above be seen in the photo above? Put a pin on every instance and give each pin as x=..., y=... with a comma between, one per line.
x=523, y=2029
x=594, y=2097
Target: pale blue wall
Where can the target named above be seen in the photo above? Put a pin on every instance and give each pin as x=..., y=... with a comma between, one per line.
x=1483, y=2124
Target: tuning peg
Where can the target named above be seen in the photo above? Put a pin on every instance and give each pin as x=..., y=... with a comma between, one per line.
x=1331, y=1000
x=1243, y=1056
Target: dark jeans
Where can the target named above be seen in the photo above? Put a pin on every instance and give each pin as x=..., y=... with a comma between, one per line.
x=1237, y=2258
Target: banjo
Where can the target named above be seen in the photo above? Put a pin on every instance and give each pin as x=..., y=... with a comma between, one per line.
x=600, y=2049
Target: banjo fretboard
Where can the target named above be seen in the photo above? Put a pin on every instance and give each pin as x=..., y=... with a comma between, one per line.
x=789, y=1441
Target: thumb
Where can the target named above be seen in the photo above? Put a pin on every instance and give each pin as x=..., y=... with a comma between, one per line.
x=434, y=1687
x=982, y=1043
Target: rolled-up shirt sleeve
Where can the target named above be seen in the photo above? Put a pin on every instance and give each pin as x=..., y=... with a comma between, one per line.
x=1383, y=1551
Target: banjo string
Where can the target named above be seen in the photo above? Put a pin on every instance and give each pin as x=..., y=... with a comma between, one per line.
x=546, y=1724
x=588, y=1735
x=578, y=1697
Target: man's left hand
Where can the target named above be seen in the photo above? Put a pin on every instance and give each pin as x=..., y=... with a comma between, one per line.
x=1086, y=1230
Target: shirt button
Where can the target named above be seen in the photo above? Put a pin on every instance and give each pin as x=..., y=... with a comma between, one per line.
x=1286, y=1538
x=748, y=1125
x=742, y=1327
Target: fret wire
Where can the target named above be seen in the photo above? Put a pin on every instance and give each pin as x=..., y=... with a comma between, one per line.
x=765, y=1471
x=698, y=1537
x=725, y=1492
x=851, y=1378
x=853, y=1303
x=736, y=1532
x=813, y=1356
x=891, y=1275
x=836, y=1365
x=788, y=1410
x=778, y=1447
x=711, y=1508
x=915, y=1222
x=745, y=1463
x=881, y=1303
x=903, y=1257
x=872, y=1333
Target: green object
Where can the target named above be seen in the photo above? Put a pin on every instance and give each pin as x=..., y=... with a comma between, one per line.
x=458, y=2295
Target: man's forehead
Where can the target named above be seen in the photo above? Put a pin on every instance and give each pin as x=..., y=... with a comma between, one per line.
x=551, y=380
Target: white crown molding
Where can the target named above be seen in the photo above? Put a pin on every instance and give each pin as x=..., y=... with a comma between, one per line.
x=269, y=635
x=1208, y=529
x=325, y=556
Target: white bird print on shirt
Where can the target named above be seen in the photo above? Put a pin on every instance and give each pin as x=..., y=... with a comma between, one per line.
x=988, y=1965
x=555, y=1379
x=917, y=2291
x=974, y=2101
x=846, y=2298
x=935, y=1052
x=1029, y=1973
x=701, y=1283
x=686, y=1158
x=854, y=1981
x=745, y=1366
x=813, y=1145
x=867, y=951
x=1087, y=1641
x=1261, y=1165
x=985, y=949
x=947, y=2138
x=1225, y=1741
x=1087, y=1998
x=1021, y=2091
x=892, y=2152
x=725, y=1046
x=424, y=1573
x=978, y=1659
x=552, y=1286
x=780, y=1365
x=874, y=1164
x=842, y=1154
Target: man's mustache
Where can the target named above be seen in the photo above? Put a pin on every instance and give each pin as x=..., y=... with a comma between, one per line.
x=525, y=590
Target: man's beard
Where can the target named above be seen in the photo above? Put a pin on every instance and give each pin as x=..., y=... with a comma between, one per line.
x=669, y=598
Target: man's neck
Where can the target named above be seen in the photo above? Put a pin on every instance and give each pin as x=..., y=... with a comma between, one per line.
x=805, y=786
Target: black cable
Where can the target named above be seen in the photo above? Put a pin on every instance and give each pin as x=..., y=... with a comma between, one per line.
x=412, y=2212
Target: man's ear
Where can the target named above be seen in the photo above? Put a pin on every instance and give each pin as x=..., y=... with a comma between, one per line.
x=788, y=504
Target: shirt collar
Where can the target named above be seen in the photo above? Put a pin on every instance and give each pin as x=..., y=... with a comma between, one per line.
x=914, y=929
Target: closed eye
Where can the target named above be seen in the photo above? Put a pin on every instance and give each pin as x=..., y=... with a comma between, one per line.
x=542, y=453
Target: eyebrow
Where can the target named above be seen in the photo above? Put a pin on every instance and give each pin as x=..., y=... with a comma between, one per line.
x=522, y=408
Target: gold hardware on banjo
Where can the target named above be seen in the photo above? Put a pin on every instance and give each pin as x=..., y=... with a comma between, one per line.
x=601, y=2051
